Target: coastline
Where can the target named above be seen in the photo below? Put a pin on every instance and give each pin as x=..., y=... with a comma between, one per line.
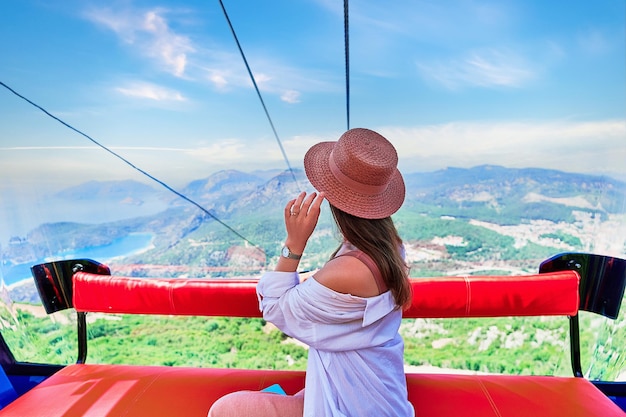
x=18, y=284
x=132, y=244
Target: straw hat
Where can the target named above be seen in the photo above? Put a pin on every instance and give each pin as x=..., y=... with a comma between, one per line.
x=358, y=174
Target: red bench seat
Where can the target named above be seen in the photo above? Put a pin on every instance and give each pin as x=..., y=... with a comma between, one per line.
x=150, y=391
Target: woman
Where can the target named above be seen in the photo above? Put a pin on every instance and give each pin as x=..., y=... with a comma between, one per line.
x=350, y=310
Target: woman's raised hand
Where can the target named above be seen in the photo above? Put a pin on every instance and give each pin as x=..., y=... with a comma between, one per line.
x=301, y=215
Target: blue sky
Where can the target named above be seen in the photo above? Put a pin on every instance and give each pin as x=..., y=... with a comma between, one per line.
x=519, y=83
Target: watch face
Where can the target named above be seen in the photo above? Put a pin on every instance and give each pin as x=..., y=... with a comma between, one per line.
x=285, y=252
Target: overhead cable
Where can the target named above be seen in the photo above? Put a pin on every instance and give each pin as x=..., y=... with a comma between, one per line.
x=258, y=92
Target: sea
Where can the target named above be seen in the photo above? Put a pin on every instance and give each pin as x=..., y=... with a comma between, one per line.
x=15, y=274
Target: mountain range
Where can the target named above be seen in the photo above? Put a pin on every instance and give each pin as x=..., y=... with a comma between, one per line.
x=455, y=190
x=238, y=204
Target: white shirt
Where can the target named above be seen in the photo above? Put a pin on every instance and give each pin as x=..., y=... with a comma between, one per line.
x=355, y=364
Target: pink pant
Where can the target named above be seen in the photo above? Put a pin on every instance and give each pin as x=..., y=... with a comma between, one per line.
x=258, y=404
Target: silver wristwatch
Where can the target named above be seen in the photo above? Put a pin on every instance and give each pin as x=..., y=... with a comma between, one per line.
x=288, y=254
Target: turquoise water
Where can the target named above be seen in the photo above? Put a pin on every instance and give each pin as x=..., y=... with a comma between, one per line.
x=124, y=246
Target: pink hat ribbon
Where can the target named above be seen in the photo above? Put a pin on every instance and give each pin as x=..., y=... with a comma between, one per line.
x=359, y=187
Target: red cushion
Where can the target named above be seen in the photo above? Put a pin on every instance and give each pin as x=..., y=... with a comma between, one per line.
x=495, y=296
x=507, y=396
x=470, y=296
x=148, y=391
x=138, y=391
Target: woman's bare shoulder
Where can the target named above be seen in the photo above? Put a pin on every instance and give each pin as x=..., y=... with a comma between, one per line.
x=347, y=275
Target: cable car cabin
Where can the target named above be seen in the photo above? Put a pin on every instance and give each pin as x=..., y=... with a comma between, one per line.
x=564, y=285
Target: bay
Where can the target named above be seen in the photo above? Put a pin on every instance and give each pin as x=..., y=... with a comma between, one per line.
x=124, y=246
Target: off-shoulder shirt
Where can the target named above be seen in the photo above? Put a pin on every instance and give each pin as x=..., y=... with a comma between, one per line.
x=355, y=362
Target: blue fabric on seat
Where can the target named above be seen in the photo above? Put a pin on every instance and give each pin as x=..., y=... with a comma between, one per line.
x=7, y=392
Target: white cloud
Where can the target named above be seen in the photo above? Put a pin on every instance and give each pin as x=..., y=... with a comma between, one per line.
x=218, y=78
x=586, y=147
x=291, y=96
x=595, y=147
x=484, y=68
x=167, y=45
x=45, y=148
x=77, y=148
x=149, y=33
x=151, y=92
x=227, y=150
x=449, y=21
x=148, y=149
x=236, y=152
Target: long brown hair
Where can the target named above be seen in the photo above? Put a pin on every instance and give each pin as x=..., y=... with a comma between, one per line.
x=379, y=239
